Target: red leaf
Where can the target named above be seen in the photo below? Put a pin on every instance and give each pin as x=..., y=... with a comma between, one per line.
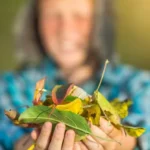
x=60, y=92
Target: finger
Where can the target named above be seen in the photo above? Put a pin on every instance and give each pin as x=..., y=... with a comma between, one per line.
x=27, y=141
x=23, y=143
x=76, y=146
x=57, y=138
x=69, y=140
x=92, y=144
x=43, y=139
x=82, y=146
x=109, y=129
x=101, y=137
x=35, y=133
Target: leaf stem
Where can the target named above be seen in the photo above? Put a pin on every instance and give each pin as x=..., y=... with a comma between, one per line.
x=106, y=62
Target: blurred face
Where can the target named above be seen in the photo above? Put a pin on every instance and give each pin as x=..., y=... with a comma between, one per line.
x=64, y=27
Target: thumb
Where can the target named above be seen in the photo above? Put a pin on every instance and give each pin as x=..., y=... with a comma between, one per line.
x=109, y=129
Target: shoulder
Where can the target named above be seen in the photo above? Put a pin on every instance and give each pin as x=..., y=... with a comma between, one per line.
x=27, y=75
x=127, y=75
x=129, y=82
x=126, y=81
x=16, y=88
x=20, y=77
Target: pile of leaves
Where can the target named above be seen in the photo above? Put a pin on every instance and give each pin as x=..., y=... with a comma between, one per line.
x=75, y=108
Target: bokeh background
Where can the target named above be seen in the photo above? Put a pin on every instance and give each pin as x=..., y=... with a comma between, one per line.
x=132, y=24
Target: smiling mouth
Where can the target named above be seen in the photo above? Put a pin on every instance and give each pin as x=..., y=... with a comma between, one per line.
x=70, y=47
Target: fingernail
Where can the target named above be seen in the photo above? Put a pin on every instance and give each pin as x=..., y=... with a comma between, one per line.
x=89, y=138
x=33, y=134
x=47, y=125
x=70, y=133
x=76, y=145
x=60, y=126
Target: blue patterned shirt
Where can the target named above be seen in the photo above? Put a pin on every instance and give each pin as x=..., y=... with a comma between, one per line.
x=120, y=81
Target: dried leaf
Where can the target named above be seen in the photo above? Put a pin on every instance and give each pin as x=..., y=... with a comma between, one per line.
x=79, y=92
x=107, y=109
x=60, y=92
x=121, y=107
x=38, y=91
x=48, y=101
x=12, y=114
x=93, y=114
x=134, y=131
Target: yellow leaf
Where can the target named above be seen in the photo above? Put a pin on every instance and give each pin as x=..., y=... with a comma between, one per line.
x=31, y=147
x=79, y=138
x=107, y=109
x=134, y=131
x=93, y=114
x=74, y=106
x=121, y=107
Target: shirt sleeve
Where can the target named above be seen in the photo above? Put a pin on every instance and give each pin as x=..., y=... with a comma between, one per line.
x=15, y=93
x=128, y=82
x=138, y=89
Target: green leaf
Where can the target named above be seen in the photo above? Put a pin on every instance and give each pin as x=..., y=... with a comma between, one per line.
x=40, y=114
x=70, y=98
x=108, y=110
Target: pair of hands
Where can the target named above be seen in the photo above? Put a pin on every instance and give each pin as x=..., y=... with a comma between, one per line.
x=61, y=140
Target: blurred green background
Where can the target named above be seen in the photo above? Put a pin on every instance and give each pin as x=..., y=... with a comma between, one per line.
x=8, y=12
x=133, y=31
x=132, y=24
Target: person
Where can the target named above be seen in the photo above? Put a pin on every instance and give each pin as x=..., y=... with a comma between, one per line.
x=65, y=40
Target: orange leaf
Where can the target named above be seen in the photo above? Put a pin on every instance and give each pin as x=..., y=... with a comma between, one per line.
x=39, y=91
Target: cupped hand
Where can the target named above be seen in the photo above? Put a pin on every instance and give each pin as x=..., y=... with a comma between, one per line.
x=119, y=141
x=60, y=140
